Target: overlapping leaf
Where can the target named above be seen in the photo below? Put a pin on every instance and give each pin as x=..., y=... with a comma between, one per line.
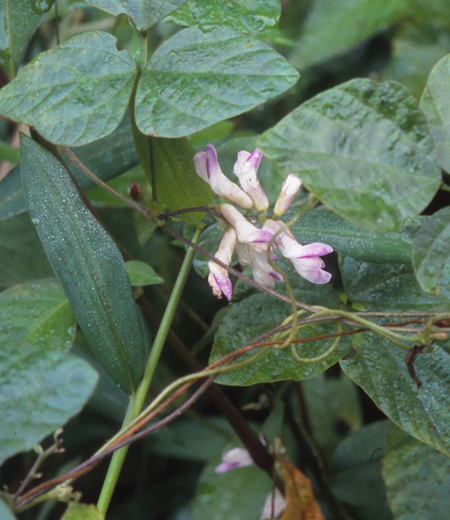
x=435, y=103
x=380, y=369
x=251, y=16
x=431, y=251
x=141, y=273
x=88, y=263
x=19, y=22
x=41, y=386
x=144, y=13
x=260, y=313
x=417, y=478
x=198, y=78
x=364, y=149
x=75, y=93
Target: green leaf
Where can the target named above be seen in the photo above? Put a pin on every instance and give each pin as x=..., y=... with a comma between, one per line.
x=380, y=370
x=88, y=263
x=144, y=13
x=251, y=16
x=356, y=469
x=364, y=149
x=260, y=313
x=417, y=478
x=329, y=32
x=178, y=185
x=349, y=239
x=5, y=512
x=21, y=253
x=141, y=273
x=431, y=250
x=12, y=201
x=384, y=287
x=20, y=19
x=41, y=386
x=75, y=93
x=238, y=494
x=435, y=104
x=196, y=79
x=79, y=511
x=332, y=405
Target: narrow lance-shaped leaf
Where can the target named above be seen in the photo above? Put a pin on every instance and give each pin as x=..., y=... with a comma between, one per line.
x=88, y=263
x=41, y=385
x=198, y=78
x=435, y=103
x=144, y=13
x=75, y=93
x=364, y=149
x=251, y=16
x=20, y=19
x=431, y=250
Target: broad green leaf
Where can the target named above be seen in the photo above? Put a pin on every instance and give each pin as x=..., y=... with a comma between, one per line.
x=260, y=313
x=417, y=478
x=431, y=250
x=21, y=253
x=88, y=263
x=364, y=149
x=356, y=469
x=196, y=79
x=349, y=239
x=251, y=16
x=5, y=512
x=238, y=494
x=79, y=511
x=41, y=386
x=144, y=13
x=178, y=185
x=333, y=407
x=75, y=93
x=435, y=103
x=380, y=370
x=385, y=287
x=330, y=31
x=12, y=201
x=141, y=273
x=19, y=21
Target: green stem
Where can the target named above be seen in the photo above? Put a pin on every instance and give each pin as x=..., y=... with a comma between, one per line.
x=137, y=401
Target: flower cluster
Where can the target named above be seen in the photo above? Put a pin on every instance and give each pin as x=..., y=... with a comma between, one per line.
x=243, y=235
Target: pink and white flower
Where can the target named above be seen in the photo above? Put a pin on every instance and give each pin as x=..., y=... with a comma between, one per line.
x=218, y=277
x=246, y=170
x=208, y=168
x=289, y=189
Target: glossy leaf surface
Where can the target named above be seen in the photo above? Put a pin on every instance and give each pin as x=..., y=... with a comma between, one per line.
x=88, y=263
x=380, y=370
x=417, y=478
x=196, y=79
x=431, y=250
x=435, y=103
x=20, y=19
x=251, y=16
x=364, y=149
x=75, y=93
x=12, y=201
x=41, y=386
x=144, y=13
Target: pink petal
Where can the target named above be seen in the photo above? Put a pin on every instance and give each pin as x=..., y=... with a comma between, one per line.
x=315, y=249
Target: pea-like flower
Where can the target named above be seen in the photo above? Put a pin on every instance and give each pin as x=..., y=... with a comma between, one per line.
x=255, y=245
